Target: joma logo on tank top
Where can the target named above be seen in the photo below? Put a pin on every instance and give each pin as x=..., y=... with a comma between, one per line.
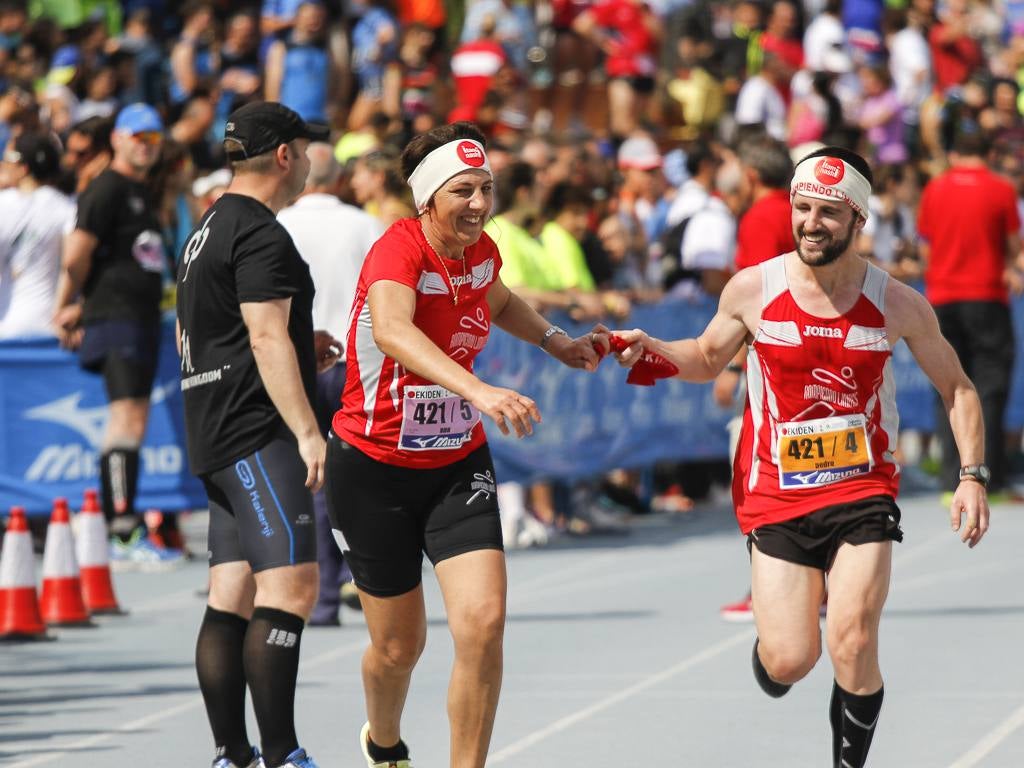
x=823, y=332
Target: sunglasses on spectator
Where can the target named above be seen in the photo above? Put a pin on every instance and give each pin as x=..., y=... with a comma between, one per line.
x=152, y=138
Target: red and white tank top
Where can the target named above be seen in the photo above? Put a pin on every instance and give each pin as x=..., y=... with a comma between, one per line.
x=387, y=412
x=820, y=423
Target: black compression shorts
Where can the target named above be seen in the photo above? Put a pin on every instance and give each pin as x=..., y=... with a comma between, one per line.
x=126, y=353
x=389, y=516
x=813, y=540
x=261, y=510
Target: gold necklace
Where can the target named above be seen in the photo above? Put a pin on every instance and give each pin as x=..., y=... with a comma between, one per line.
x=455, y=287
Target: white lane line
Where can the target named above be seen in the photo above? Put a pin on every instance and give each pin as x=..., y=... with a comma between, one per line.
x=609, y=701
x=194, y=701
x=543, y=581
x=99, y=738
x=991, y=740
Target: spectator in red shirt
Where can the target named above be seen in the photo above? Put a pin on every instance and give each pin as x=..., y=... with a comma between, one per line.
x=955, y=53
x=764, y=230
x=781, y=34
x=474, y=66
x=969, y=223
x=627, y=32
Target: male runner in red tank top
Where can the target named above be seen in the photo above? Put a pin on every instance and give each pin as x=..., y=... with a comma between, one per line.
x=815, y=480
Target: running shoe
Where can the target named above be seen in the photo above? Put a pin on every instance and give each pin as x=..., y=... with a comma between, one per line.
x=673, y=501
x=165, y=532
x=532, y=533
x=741, y=611
x=773, y=688
x=299, y=759
x=364, y=744
x=139, y=553
x=255, y=762
x=604, y=516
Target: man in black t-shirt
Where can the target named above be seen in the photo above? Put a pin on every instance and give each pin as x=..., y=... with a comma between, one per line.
x=108, y=303
x=249, y=359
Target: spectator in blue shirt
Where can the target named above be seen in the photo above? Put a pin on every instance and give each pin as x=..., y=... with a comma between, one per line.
x=375, y=63
x=299, y=68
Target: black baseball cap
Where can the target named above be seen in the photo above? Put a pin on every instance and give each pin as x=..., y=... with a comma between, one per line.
x=263, y=126
x=38, y=152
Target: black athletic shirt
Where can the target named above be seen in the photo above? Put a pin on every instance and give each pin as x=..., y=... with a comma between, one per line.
x=238, y=253
x=126, y=278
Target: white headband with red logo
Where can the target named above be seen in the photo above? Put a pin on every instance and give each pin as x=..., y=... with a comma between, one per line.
x=441, y=164
x=831, y=178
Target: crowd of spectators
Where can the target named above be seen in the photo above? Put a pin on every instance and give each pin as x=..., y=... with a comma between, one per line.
x=630, y=140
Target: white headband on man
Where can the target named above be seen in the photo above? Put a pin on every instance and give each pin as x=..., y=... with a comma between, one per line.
x=831, y=178
x=441, y=164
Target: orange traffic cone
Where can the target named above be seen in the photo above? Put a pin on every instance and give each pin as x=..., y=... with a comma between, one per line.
x=93, y=550
x=61, y=602
x=19, y=607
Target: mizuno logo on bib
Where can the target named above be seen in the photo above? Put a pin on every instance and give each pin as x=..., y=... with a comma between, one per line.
x=822, y=451
x=435, y=419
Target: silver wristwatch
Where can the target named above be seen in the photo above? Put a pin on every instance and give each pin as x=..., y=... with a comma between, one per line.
x=554, y=330
x=979, y=473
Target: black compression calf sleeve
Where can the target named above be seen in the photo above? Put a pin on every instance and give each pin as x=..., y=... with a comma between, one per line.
x=835, y=717
x=859, y=718
x=119, y=479
x=271, y=666
x=222, y=681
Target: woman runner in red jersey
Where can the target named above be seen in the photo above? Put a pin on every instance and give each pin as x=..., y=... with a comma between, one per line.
x=408, y=468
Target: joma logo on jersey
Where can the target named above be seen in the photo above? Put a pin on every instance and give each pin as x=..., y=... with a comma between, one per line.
x=823, y=332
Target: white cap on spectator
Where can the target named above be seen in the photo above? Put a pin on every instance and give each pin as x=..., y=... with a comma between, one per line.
x=639, y=152
x=202, y=186
x=836, y=61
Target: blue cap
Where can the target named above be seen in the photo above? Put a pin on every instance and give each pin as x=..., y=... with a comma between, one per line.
x=139, y=118
x=66, y=56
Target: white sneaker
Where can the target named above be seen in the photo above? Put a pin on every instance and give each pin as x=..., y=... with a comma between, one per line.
x=364, y=741
x=533, y=533
x=604, y=517
x=255, y=762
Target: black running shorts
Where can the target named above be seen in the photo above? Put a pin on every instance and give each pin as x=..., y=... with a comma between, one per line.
x=389, y=516
x=126, y=353
x=261, y=510
x=813, y=540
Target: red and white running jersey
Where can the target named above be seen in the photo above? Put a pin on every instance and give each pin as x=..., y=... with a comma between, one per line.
x=820, y=423
x=387, y=412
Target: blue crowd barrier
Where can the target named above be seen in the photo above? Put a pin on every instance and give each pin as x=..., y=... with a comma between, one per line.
x=594, y=423
x=54, y=415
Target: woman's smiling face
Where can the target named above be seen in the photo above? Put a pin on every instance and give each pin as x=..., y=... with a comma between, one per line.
x=460, y=208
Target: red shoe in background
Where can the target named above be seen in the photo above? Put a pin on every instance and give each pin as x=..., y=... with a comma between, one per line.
x=739, y=612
